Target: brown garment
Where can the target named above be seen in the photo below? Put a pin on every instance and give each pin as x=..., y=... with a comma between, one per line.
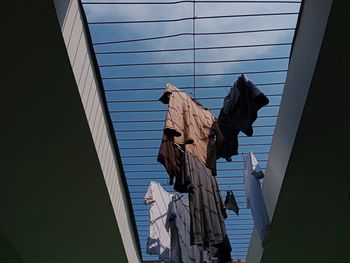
x=191, y=124
x=171, y=156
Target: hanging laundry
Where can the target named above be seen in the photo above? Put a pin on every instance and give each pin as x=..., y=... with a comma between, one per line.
x=230, y=202
x=158, y=242
x=190, y=124
x=255, y=199
x=179, y=224
x=224, y=249
x=206, y=207
x=238, y=113
x=171, y=156
x=194, y=130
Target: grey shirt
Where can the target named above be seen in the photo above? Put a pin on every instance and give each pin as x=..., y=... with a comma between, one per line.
x=179, y=223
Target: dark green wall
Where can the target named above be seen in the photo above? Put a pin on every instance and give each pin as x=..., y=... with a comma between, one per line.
x=8, y=254
x=54, y=203
x=312, y=219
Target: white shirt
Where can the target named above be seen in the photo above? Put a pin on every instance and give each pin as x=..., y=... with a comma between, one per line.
x=255, y=199
x=158, y=242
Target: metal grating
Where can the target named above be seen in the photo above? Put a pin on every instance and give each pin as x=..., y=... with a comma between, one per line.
x=201, y=47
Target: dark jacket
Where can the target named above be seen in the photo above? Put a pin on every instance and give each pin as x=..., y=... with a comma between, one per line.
x=238, y=113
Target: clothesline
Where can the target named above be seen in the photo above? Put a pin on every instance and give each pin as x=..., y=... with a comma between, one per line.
x=155, y=156
x=186, y=19
x=193, y=62
x=201, y=98
x=197, y=75
x=165, y=178
x=223, y=184
x=190, y=49
x=153, y=121
x=162, y=171
x=155, y=147
x=245, y=211
x=237, y=234
x=219, y=161
x=190, y=34
x=221, y=190
x=184, y=88
x=157, y=130
x=234, y=225
x=160, y=121
x=238, y=219
x=241, y=220
x=157, y=139
x=161, y=110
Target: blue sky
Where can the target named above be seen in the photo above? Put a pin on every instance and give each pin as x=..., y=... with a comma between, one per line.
x=146, y=168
